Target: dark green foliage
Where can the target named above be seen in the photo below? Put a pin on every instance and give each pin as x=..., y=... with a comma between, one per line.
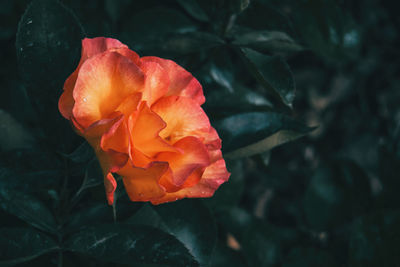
x=241, y=131
x=23, y=244
x=48, y=36
x=272, y=71
x=303, y=256
x=190, y=222
x=27, y=208
x=374, y=239
x=267, y=42
x=48, y=45
x=150, y=28
x=336, y=194
x=128, y=244
x=194, y=9
x=328, y=30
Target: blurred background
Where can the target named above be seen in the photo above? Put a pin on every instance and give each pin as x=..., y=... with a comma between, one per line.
x=329, y=198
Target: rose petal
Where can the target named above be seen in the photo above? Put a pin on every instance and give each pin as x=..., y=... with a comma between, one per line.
x=193, y=178
x=215, y=155
x=182, y=82
x=183, y=116
x=90, y=48
x=94, y=132
x=110, y=160
x=66, y=101
x=130, y=104
x=156, y=81
x=110, y=185
x=142, y=184
x=213, y=177
x=139, y=159
x=212, y=140
x=94, y=46
x=116, y=138
x=103, y=83
x=215, y=174
x=194, y=156
x=145, y=126
x=98, y=45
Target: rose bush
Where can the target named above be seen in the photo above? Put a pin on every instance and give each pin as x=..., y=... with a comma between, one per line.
x=143, y=118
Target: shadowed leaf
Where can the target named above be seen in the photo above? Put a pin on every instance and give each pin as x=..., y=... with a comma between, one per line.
x=193, y=8
x=336, y=194
x=18, y=245
x=188, y=221
x=129, y=244
x=272, y=72
x=189, y=42
x=48, y=45
x=267, y=41
x=27, y=208
x=251, y=133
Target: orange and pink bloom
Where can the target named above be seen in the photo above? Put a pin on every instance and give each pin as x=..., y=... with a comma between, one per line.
x=143, y=117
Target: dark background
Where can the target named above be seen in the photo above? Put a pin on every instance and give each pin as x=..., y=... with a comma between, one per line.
x=329, y=198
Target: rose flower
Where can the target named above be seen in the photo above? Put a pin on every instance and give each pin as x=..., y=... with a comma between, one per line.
x=143, y=118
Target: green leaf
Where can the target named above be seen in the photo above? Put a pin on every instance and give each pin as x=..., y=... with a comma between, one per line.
x=189, y=42
x=374, y=239
x=264, y=17
x=189, y=221
x=14, y=135
x=146, y=30
x=272, y=72
x=240, y=101
x=93, y=175
x=48, y=46
x=336, y=194
x=229, y=193
x=28, y=208
x=83, y=153
x=90, y=214
x=130, y=244
x=10, y=12
x=262, y=243
x=328, y=30
x=31, y=160
x=29, y=181
x=238, y=6
x=222, y=70
x=308, y=257
x=224, y=256
x=266, y=41
x=389, y=169
x=194, y=9
x=94, y=213
x=18, y=245
x=116, y=9
x=251, y=133
x=217, y=10
x=89, y=170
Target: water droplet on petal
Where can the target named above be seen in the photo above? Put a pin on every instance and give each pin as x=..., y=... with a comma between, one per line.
x=84, y=99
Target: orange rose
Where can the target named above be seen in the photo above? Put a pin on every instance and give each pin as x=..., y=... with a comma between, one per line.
x=143, y=118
